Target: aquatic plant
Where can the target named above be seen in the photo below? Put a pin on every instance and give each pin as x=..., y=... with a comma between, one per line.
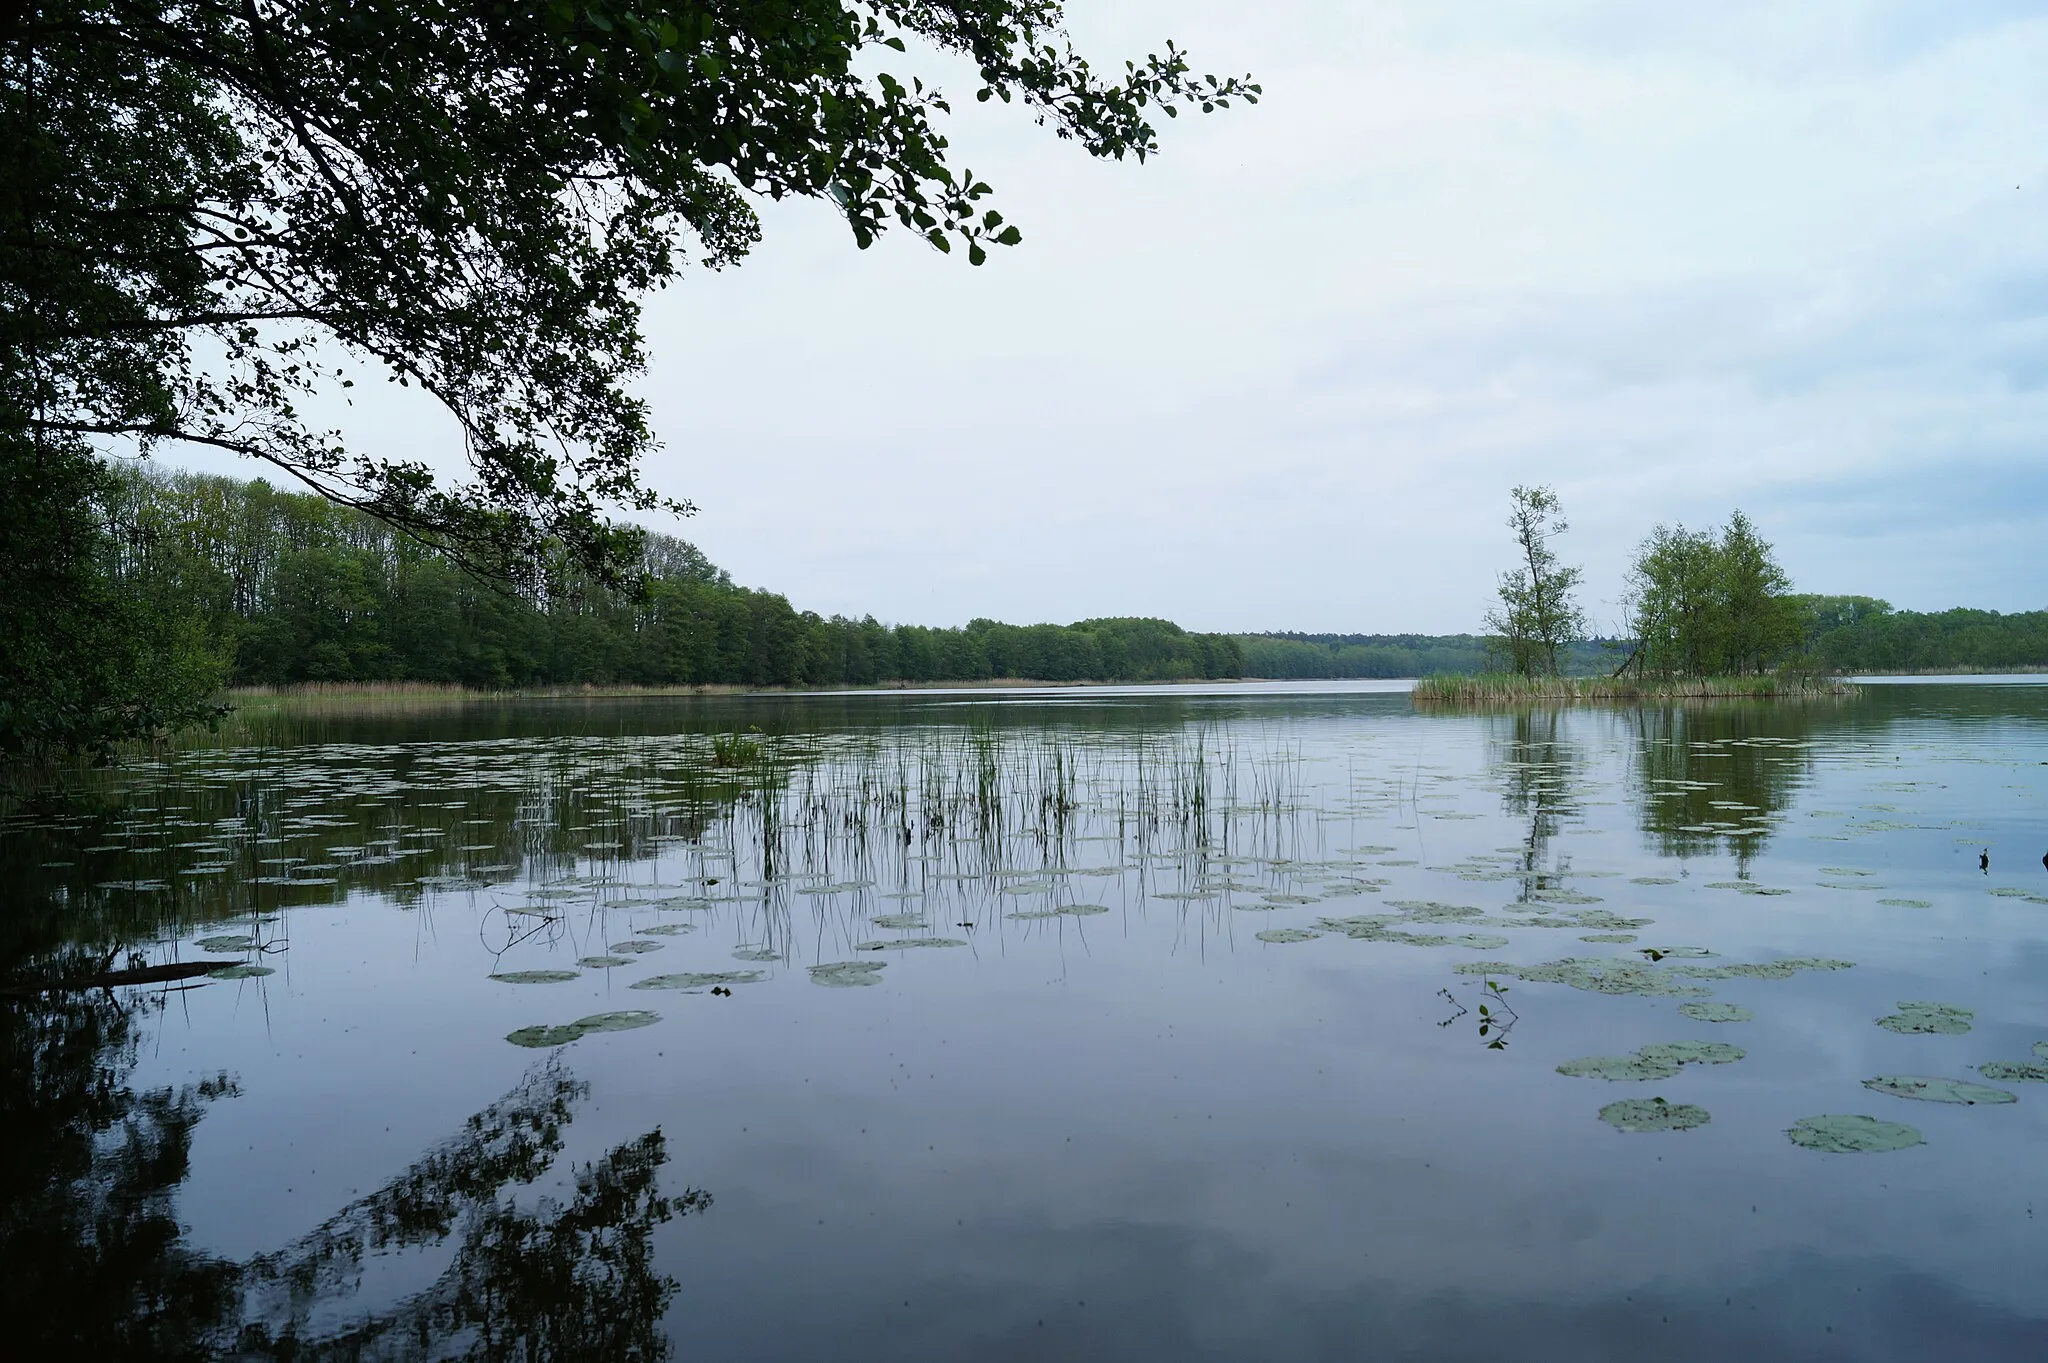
x=1852, y=1134
x=1653, y=1114
x=561, y=1035
x=1932, y=1089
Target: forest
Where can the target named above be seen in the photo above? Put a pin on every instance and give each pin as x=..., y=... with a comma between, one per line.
x=282, y=588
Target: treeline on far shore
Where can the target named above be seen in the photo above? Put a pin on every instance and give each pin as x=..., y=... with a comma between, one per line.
x=1842, y=634
x=278, y=588
x=1287, y=656
x=286, y=588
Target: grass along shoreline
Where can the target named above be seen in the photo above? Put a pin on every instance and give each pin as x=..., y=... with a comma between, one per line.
x=1509, y=689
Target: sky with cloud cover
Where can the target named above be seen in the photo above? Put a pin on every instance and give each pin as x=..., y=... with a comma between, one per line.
x=1670, y=259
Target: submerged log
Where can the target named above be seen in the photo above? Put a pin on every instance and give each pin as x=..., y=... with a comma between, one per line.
x=107, y=979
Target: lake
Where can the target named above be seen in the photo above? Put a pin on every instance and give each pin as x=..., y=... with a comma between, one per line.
x=1244, y=1022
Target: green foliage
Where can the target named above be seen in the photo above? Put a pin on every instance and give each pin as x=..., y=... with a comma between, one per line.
x=212, y=211
x=1538, y=611
x=1861, y=634
x=1290, y=656
x=298, y=589
x=97, y=643
x=1705, y=603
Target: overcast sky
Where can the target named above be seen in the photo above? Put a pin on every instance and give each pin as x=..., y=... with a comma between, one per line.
x=1670, y=259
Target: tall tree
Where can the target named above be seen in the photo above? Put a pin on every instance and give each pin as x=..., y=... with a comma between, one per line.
x=1704, y=602
x=1762, y=623
x=1538, y=612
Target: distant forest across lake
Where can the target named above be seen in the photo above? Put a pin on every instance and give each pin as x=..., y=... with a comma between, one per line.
x=289, y=588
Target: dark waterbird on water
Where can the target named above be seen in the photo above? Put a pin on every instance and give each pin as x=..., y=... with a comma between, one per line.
x=1984, y=860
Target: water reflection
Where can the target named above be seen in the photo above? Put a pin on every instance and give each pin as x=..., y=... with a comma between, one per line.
x=97, y=1267
x=1541, y=771
x=1718, y=777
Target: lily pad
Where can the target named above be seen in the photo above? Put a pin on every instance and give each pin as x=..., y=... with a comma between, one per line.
x=1653, y=880
x=1287, y=935
x=902, y=943
x=2016, y=1071
x=1850, y=1134
x=668, y=929
x=604, y=962
x=1930, y=1089
x=564, y=1033
x=1716, y=1012
x=845, y=974
x=699, y=979
x=1619, y=1067
x=899, y=920
x=1693, y=1052
x=1653, y=1114
x=634, y=948
x=1081, y=910
x=1594, y=974
x=1942, y=1019
x=227, y=943
x=1906, y=904
x=536, y=976
x=240, y=972
x=1782, y=969
x=1601, y=918
x=757, y=954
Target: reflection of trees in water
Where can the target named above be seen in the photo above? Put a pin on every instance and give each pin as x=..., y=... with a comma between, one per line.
x=93, y=1262
x=1539, y=769
x=1710, y=777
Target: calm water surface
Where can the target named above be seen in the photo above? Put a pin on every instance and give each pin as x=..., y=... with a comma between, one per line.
x=1138, y=1025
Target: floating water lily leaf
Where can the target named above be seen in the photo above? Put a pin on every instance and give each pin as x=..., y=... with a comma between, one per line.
x=1716, y=1012
x=1029, y=887
x=1849, y=1134
x=1613, y=922
x=844, y=974
x=567, y=1032
x=536, y=976
x=904, y=942
x=1287, y=935
x=1935, y=1090
x=1783, y=969
x=1619, y=1067
x=1693, y=1052
x=1653, y=1114
x=1594, y=974
x=1906, y=903
x=240, y=972
x=634, y=948
x=1291, y=898
x=1653, y=880
x=699, y=980
x=2016, y=1071
x=1081, y=910
x=757, y=954
x=604, y=962
x=668, y=929
x=899, y=920
x=1943, y=1019
x=1619, y=938
x=843, y=887
x=227, y=943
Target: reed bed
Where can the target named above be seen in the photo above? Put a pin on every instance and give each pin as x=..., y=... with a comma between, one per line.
x=1507, y=689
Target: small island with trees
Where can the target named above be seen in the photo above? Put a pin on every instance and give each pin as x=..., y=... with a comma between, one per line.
x=1707, y=613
